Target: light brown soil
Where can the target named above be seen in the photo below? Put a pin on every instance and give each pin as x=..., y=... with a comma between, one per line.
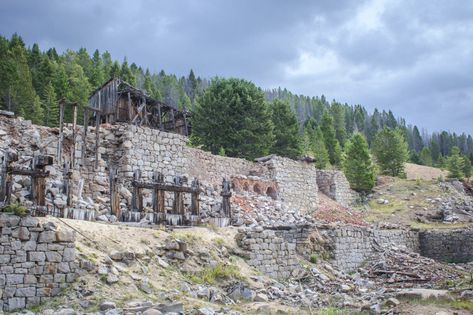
x=414, y=171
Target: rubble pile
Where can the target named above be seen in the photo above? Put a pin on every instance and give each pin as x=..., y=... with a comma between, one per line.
x=251, y=210
x=400, y=268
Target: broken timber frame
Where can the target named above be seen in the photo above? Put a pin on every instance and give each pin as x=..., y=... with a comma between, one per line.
x=36, y=172
x=159, y=188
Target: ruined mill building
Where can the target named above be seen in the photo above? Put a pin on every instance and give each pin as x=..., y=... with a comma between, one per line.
x=129, y=162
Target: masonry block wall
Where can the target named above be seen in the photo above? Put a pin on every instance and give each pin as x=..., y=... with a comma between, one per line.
x=454, y=246
x=351, y=245
x=36, y=261
x=296, y=181
x=335, y=185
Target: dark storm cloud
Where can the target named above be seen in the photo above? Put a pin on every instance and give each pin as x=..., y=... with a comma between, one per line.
x=412, y=56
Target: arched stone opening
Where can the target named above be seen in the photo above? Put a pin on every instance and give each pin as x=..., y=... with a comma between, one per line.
x=257, y=189
x=271, y=192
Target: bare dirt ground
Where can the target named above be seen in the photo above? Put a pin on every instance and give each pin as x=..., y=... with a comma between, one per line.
x=414, y=171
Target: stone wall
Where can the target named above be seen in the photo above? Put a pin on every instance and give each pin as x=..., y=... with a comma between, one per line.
x=296, y=182
x=36, y=261
x=271, y=251
x=335, y=185
x=455, y=246
x=350, y=246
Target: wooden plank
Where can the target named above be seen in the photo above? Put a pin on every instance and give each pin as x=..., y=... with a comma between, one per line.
x=61, y=131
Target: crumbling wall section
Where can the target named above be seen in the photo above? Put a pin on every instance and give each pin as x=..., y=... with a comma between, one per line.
x=271, y=251
x=453, y=246
x=36, y=261
x=296, y=181
x=335, y=185
x=350, y=246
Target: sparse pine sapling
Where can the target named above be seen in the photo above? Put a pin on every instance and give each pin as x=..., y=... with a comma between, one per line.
x=358, y=165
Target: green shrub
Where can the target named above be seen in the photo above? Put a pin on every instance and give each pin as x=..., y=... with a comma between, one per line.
x=313, y=258
x=16, y=208
x=219, y=272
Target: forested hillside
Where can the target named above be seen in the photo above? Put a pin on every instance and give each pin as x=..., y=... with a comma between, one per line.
x=33, y=80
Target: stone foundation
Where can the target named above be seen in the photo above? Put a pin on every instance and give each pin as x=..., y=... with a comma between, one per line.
x=452, y=246
x=272, y=251
x=36, y=261
x=350, y=246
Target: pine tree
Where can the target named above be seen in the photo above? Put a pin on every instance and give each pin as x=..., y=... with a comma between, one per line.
x=37, y=113
x=232, y=114
x=98, y=72
x=331, y=142
x=22, y=86
x=148, y=84
x=455, y=164
x=357, y=164
x=115, y=70
x=391, y=151
x=286, y=130
x=425, y=156
x=339, y=122
x=126, y=74
x=466, y=167
x=319, y=150
x=51, y=107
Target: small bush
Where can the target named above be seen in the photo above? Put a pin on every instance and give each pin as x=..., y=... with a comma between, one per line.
x=16, y=208
x=219, y=272
x=313, y=258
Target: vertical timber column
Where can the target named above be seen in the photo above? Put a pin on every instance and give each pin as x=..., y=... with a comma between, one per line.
x=137, y=196
x=84, y=140
x=97, y=137
x=178, y=204
x=195, y=206
x=74, y=127
x=158, y=199
x=226, y=194
x=61, y=130
x=67, y=189
x=114, y=197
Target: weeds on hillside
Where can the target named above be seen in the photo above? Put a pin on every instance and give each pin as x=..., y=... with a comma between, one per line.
x=220, y=272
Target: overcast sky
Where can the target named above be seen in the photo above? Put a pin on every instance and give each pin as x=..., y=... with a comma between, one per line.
x=414, y=57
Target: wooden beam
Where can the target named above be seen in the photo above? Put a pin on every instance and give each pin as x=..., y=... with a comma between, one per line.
x=61, y=130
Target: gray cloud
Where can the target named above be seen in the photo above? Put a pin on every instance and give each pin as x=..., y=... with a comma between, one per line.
x=410, y=56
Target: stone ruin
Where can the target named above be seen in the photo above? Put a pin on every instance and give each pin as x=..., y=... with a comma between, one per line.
x=124, y=172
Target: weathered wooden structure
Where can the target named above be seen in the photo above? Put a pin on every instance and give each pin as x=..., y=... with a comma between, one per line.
x=36, y=172
x=118, y=101
x=179, y=214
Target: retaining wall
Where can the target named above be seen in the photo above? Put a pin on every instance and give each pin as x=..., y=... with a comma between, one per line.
x=454, y=246
x=36, y=261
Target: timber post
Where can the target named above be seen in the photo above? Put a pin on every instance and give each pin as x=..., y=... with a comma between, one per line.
x=226, y=194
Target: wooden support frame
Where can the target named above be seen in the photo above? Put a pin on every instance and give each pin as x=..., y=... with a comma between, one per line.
x=159, y=189
x=226, y=195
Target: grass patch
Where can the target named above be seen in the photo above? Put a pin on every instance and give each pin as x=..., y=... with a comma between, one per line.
x=429, y=226
x=463, y=305
x=219, y=241
x=313, y=258
x=332, y=311
x=220, y=272
x=187, y=237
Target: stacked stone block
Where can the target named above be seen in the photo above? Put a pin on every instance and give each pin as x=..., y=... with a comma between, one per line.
x=268, y=252
x=36, y=261
x=335, y=185
x=351, y=245
x=453, y=246
x=297, y=183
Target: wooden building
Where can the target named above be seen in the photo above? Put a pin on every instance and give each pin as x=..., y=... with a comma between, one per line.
x=118, y=101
